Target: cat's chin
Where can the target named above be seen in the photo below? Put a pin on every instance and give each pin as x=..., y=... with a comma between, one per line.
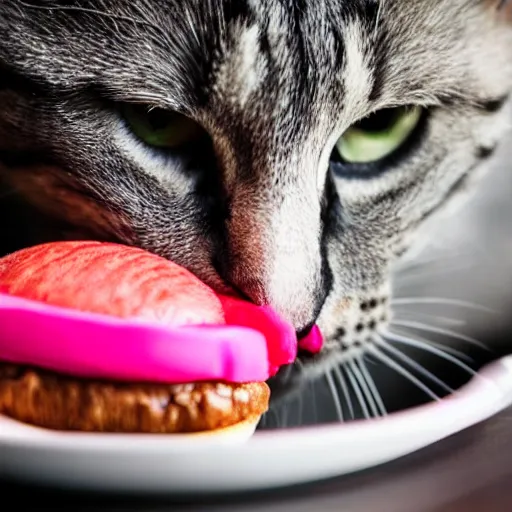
x=291, y=380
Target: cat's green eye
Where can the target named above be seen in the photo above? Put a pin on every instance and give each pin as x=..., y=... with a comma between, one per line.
x=378, y=135
x=161, y=128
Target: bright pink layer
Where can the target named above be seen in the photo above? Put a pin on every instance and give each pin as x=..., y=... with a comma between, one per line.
x=312, y=342
x=281, y=336
x=251, y=349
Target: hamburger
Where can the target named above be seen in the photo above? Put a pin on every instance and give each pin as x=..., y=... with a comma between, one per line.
x=102, y=337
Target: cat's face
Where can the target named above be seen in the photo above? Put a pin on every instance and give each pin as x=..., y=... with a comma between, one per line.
x=246, y=169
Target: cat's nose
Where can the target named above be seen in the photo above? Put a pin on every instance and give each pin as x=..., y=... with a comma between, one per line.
x=301, y=309
x=274, y=257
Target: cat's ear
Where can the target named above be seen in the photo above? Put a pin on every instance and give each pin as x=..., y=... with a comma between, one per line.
x=502, y=8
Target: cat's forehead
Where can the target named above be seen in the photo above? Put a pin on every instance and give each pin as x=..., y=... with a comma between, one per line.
x=338, y=53
x=294, y=58
x=306, y=59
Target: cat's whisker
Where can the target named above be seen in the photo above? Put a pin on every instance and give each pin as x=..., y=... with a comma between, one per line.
x=357, y=390
x=334, y=394
x=371, y=360
x=404, y=265
x=366, y=391
x=437, y=330
x=371, y=384
x=313, y=401
x=274, y=415
x=407, y=265
x=337, y=372
x=283, y=420
x=442, y=319
x=434, y=261
x=393, y=337
x=412, y=364
x=287, y=373
x=410, y=301
x=445, y=348
x=300, y=408
x=393, y=365
x=401, y=279
x=299, y=364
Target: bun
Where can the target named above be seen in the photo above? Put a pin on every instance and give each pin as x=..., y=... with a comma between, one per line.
x=238, y=432
x=59, y=402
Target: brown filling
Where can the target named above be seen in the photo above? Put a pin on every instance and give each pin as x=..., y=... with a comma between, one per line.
x=59, y=402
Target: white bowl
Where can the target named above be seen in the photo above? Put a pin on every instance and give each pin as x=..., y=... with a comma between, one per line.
x=174, y=464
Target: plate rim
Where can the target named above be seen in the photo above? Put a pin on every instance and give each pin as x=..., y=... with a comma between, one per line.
x=500, y=370
x=93, y=463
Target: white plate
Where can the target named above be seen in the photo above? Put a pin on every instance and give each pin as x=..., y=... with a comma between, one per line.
x=141, y=463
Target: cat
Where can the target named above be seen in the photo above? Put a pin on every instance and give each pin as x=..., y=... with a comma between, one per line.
x=285, y=149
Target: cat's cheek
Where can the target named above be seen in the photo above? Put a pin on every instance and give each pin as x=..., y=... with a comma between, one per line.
x=355, y=319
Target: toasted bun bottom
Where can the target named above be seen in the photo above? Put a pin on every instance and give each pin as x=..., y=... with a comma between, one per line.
x=240, y=431
x=57, y=402
x=234, y=434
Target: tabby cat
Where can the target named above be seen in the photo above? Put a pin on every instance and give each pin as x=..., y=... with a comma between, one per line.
x=288, y=149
